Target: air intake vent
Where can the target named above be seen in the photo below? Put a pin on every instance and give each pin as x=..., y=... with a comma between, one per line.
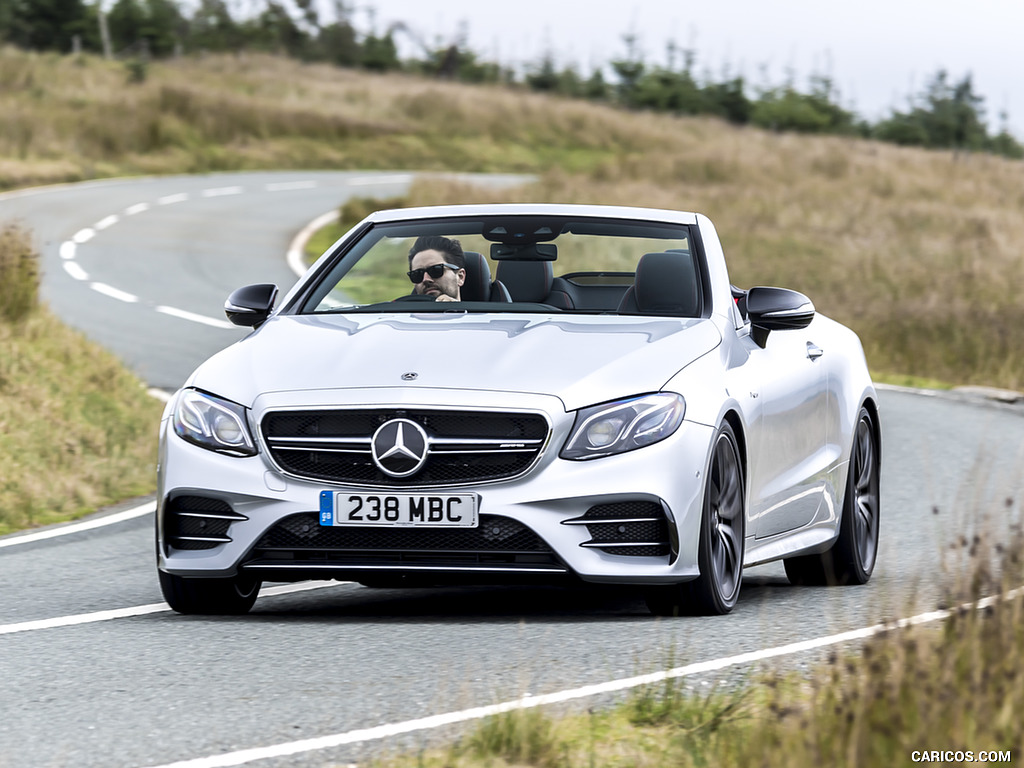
x=198, y=522
x=628, y=528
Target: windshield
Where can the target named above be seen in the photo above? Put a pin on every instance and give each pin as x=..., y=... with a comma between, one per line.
x=514, y=263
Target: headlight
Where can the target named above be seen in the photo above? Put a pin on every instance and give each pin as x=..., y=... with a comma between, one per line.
x=212, y=423
x=603, y=430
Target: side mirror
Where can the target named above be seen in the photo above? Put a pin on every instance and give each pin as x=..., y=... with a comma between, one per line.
x=251, y=306
x=777, y=309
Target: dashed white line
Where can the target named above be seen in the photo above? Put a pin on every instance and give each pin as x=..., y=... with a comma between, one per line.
x=286, y=186
x=172, y=199
x=73, y=269
x=83, y=235
x=131, y=210
x=67, y=249
x=104, y=223
x=114, y=293
x=221, y=191
x=370, y=180
x=185, y=315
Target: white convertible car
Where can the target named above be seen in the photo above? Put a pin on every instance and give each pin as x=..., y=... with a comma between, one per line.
x=516, y=393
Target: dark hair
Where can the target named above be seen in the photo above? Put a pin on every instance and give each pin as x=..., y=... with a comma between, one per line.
x=449, y=246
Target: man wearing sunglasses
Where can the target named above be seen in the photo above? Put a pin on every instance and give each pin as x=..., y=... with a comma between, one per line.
x=437, y=267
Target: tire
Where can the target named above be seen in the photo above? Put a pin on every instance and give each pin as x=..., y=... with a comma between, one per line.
x=211, y=597
x=720, y=550
x=851, y=559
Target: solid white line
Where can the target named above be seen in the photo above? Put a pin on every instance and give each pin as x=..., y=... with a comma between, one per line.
x=221, y=191
x=73, y=269
x=86, y=525
x=142, y=610
x=287, y=186
x=67, y=249
x=131, y=210
x=171, y=199
x=191, y=316
x=114, y=293
x=296, y=248
x=107, y=222
x=83, y=235
x=241, y=757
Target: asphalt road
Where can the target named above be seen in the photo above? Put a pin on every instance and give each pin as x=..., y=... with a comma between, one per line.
x=96, y=671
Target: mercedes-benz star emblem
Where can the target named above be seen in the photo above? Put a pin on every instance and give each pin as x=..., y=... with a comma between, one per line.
x=399, y=447
x=410, y=376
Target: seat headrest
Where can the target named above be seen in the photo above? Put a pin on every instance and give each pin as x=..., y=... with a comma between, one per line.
x=665, y=284
x=526, y=280
x=477, y=286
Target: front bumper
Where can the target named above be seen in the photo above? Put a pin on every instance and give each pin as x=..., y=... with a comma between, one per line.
x=562, y=519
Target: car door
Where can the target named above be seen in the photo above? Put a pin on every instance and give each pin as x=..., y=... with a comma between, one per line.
x=789, y=472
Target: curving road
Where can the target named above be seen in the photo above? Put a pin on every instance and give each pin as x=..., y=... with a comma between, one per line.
x=97, y=671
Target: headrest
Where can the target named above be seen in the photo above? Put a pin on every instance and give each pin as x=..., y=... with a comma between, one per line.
x=665, y=284
x=477, y=286
x=526, y=280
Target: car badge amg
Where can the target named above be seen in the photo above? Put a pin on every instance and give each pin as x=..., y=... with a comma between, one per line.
x=399, y=447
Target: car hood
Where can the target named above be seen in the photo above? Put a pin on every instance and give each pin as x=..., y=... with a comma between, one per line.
x=581, y=360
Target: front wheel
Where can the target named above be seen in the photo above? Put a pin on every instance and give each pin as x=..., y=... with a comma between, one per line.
x=720, y=551
x=212, y=597
x=852, y=557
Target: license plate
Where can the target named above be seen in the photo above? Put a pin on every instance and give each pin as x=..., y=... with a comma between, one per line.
x=456, y=510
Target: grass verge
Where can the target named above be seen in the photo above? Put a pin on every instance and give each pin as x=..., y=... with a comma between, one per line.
x=951, y=688
x=77, y=431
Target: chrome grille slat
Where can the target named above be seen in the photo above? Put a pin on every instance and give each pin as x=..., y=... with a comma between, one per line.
x=464, y=446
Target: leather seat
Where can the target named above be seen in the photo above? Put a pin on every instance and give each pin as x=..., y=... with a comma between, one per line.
x=478, y=285
x=665, y=284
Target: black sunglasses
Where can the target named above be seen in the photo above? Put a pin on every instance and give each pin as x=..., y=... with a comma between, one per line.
x=434, y=270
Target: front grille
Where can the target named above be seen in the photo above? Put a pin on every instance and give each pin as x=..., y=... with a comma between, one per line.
x=464, y=446
x=629, y=528
x=198, y=522
x=497, y=541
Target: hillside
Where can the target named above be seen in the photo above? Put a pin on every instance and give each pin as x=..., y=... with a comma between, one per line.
x=919, y=251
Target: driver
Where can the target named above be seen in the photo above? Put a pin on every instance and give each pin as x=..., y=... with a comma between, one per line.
x=437, y=267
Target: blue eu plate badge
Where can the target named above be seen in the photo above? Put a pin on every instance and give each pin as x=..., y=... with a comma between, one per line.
x=326, y=508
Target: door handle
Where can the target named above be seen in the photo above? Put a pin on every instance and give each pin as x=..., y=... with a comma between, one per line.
x=814, y=351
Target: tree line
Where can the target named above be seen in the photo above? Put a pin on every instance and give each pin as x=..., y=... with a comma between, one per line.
x=947, y=114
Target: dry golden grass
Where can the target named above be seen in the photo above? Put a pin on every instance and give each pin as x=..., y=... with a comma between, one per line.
x=922, y=253
x=77, y=431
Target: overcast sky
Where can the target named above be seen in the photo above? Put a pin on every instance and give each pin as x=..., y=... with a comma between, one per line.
x=878, y=52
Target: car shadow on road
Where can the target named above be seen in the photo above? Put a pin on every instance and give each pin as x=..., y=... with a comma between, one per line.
x=351, y=602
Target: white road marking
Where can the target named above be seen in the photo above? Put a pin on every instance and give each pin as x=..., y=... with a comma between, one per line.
x=67, y=249
x=83, y=235
x=243, y=756
x=85, y=525
x=73, y=269
x=114, y=293
x=107, y=222
x=287, y=186
x=403, y=178
x=171, y=199
x=143, y=610
x=221, y=191
x=191, y=316
x=296, y=248
x=131, y=210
